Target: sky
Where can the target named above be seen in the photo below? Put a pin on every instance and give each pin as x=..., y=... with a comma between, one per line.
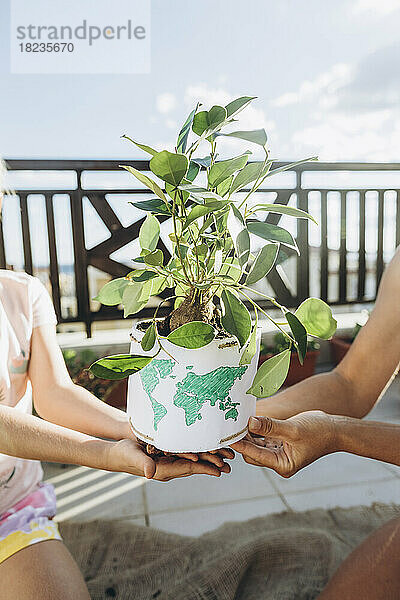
x=326, y=76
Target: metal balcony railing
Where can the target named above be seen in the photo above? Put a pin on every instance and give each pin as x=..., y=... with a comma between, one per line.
x=63, y=202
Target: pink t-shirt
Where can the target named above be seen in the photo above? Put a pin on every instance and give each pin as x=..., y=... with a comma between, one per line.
x=24, y=305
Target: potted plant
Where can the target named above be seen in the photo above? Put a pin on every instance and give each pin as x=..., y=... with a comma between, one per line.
x=193, y=379
x=113, y=393
x=297, y=371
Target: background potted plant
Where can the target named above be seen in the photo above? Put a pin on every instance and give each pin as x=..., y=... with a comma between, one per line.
x=111, y=392
x=193, y=379
x=297, y=371
x=340, y=344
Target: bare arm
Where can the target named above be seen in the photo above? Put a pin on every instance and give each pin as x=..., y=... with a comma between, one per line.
x=59, y=400
x=356, y=384
x=289, y=445
x=26, y=436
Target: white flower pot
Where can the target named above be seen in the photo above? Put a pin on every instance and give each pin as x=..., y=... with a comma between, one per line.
x=196, y=403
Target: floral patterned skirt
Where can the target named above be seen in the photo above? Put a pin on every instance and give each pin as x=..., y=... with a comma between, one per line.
x=29, y=522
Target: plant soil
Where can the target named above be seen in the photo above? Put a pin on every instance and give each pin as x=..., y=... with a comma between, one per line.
x=194, y=308
x=152, y=451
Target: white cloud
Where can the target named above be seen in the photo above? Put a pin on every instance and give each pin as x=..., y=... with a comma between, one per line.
x=371, y=136
x=326, y=83
x=354, y=110
x=165, y=102
x=382, y=7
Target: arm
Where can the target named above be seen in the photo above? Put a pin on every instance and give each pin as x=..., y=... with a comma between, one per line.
x=58, y=400
x=289, y=445
x=26, y=436
x=356, y=384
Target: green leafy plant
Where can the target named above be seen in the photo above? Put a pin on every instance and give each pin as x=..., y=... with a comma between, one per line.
x=212, y=267
x=281, y=342
x=76, y=363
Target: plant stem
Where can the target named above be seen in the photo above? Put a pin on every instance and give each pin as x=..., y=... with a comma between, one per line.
x=255, y=186
x=166, y=351
x=193, y=242
x=189, y=281
x=270, y=298
x=268, y=316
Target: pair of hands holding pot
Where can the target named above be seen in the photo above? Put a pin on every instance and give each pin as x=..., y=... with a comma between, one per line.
x=284, y=446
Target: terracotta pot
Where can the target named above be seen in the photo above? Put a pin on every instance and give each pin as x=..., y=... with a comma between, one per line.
x=117, y=396
x=297, y=372
x=339, y=348
x=191, y=400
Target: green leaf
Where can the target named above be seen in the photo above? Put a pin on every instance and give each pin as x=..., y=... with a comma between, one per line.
x=282, y=209
x=169, y=167
x=153, y=205
x=154, y=259
x=119, y=366
x=224, y=187
x=193, y=171
x=199, y=210
x=317, y=318
x=264, y=262
x=272, y=233
x=300, y=335
x=236, y=318
x=184, y=132
x=231, y=269
x=251, y=347
x=146, y=181
x=149, y=338
x=136, y=296
x=225, y=168
x=256, y=136
x=158, y=285
x=271, y=375
x=216, y=205
x=143, y=147
x=192, y=335
x=248, y=174
x=141, y=275
x=234, y=107
x=149, y=233
x=205, y=122
x=173, y=193
x=203, y=162
x=291, y=165
x=239, y=234
x=198, y=192
x=111, y=293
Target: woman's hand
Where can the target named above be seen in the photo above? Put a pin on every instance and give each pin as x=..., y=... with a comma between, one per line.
x=127, y=455
x=288, y=446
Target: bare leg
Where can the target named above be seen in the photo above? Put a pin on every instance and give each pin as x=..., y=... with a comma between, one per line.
x=45, y=570
x=371, y=571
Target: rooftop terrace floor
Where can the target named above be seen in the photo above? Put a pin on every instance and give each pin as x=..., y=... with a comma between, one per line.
x=194, y=505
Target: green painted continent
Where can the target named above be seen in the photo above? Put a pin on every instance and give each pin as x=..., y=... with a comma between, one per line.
x=150, y=376
x=214, y=387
